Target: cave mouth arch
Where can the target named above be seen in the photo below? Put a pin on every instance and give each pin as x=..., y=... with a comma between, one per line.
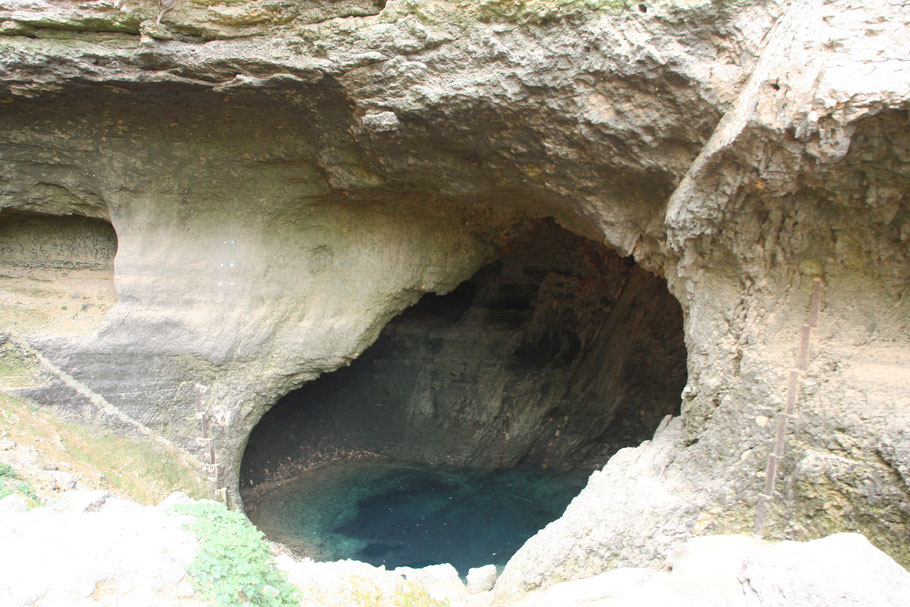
x=554, y=356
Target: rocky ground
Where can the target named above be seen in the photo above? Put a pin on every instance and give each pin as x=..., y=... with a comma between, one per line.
x=65, y=541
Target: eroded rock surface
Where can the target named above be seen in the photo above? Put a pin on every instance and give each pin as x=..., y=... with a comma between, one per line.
x=282, y=181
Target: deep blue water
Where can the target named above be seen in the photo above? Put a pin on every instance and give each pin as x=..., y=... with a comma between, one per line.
x=408, y=515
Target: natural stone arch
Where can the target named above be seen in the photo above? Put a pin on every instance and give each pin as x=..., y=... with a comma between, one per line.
x=557, y=354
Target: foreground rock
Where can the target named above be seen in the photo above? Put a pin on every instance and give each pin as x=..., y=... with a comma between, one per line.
x=481, y=579
x=842, y=570
x=91, y=548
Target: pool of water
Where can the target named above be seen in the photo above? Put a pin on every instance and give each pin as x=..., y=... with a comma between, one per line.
x=411, y=515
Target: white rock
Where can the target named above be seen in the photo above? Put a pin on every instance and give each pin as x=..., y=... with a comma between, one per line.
x=705, y=569
x=615, y=584
x=88, y=581
x=6, y=444
x=63, y=481
x=440, y=581
x=430, y=575
x=13, y=503
x=177, y=498
x=481, y=579
x=185, y=589
x=114, y=503
x=841, y=570
x=380, y=122
x=81, y=501
x=88, y=540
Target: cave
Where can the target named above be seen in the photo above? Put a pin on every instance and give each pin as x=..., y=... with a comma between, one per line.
x=548, y=359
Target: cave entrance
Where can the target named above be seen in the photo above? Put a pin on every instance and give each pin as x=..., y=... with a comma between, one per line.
x=546, y=361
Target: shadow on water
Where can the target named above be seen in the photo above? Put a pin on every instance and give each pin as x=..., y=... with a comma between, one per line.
x=408, y=515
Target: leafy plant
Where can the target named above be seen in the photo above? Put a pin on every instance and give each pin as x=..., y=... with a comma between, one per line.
x=233, y=565
x=11, y=482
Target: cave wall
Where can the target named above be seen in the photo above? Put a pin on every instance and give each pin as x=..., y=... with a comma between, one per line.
x=557, y=354
x=346, y=167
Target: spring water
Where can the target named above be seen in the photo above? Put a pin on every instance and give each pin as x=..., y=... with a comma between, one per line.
x=409, y=515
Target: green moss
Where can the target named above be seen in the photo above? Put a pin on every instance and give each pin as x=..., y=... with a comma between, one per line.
x=537, y=11
x=16, y=370
x=817, y=514
x=127, y=24
x=542, y=11
x=365, y=593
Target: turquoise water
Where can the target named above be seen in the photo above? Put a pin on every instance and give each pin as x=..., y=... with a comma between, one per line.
x=409, y=515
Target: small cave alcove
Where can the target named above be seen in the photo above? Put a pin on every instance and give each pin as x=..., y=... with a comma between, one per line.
x=56, y=272
x=528, y=376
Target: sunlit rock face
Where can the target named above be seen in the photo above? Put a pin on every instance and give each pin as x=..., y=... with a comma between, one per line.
x=283, y=183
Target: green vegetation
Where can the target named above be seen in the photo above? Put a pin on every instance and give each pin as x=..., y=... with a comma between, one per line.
x=542, y=11
x=409, y=594
x=10, y=483
x=142, y=470
x=365, y=593
x=233, y=565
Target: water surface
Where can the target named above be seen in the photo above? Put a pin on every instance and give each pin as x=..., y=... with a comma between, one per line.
x=396, y=514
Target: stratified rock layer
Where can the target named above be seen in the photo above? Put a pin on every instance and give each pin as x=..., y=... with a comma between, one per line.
x=284, y=182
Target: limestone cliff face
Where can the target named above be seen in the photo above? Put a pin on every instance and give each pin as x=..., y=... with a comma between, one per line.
x=283, y=179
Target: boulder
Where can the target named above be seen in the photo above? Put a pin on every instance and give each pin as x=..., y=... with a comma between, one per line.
x=13, y=504
x=481, y=579
x=841, y=570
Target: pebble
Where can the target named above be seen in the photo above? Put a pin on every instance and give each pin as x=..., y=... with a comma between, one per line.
x=185, y=589
x=481, y=579
x=63, y=481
